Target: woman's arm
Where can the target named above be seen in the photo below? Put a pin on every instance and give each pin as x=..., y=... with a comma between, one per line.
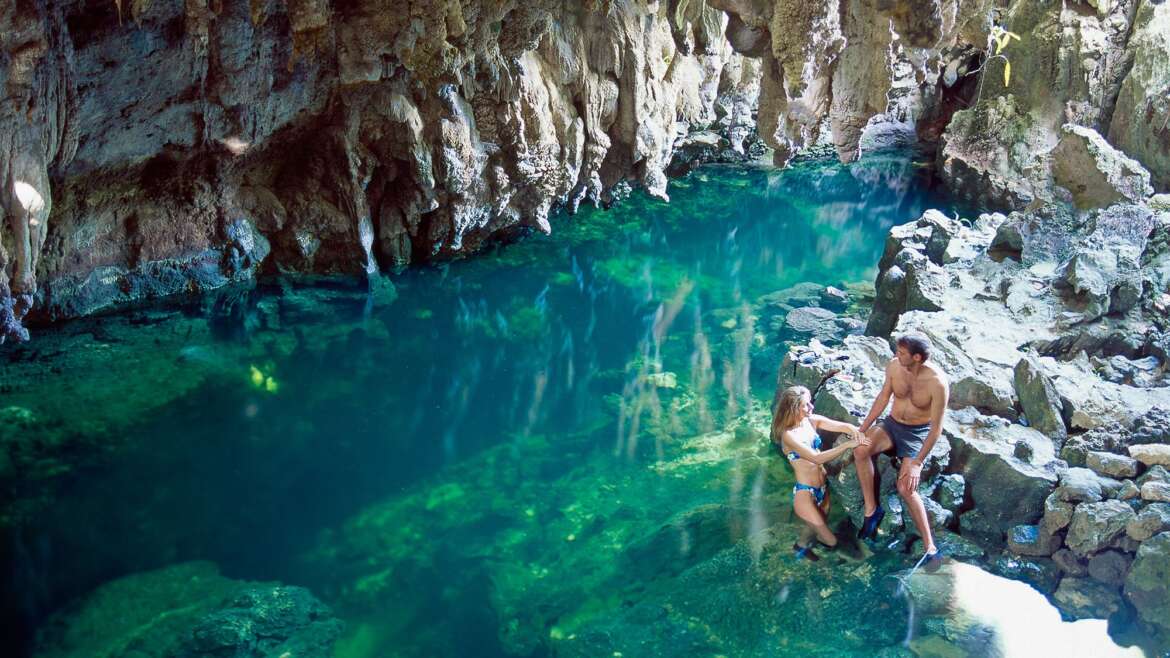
x=830, y=425
x=817, y=457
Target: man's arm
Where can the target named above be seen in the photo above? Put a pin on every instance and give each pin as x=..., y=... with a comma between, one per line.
x=879, y=404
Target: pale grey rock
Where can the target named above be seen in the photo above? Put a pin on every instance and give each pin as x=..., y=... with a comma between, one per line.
x=1095, y=525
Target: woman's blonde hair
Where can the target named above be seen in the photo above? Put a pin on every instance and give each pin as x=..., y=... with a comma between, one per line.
x=787, y=409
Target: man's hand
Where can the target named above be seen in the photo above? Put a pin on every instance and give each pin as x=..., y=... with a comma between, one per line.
x=912, y=471
x=862, y=437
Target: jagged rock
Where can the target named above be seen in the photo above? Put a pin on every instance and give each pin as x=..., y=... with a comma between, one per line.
x=1103, y=274
x=1109, y=567
x=1151, y=520
x=1039, y=399
x=1097, y=174
x=1148, y=584
x=1156, y=491
x=1044, y=235
x=1111, y=465
x=1111, y=438
x=1095, y=525
x=1032, y=540
x=958, y=546
x=1151, y=454
x=1083, y=598
x=888, y=302
x=978, y=159
x=1057, y=513
x=950, y=490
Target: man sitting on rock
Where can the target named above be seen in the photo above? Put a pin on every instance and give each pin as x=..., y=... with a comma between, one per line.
x=910, y=431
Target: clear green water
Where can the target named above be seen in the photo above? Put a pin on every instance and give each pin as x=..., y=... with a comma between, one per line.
x=553, y=449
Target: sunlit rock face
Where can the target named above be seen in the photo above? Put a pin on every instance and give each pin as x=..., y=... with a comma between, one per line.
x=1100, y=66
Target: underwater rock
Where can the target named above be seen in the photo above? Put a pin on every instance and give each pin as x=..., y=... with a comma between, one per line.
x=268, y=621
x=189, y=610
x=1084, y=598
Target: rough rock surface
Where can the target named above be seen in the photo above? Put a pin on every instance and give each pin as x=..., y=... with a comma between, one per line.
x=1097, y=174
x=1095, y=525
x=1102, y=69
x=1148, y=585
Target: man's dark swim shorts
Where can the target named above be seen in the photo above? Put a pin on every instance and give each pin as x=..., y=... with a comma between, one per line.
x=907, y=439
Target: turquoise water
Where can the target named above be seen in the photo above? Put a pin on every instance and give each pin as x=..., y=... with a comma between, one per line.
x=552, y=449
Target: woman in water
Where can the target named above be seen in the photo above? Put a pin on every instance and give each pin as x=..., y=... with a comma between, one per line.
x=794, y=431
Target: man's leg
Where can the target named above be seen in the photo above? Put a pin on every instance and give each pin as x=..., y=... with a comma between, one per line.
x=879, y=442
x=917, y=511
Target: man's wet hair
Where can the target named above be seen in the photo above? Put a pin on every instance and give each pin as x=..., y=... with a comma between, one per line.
x=915, y=343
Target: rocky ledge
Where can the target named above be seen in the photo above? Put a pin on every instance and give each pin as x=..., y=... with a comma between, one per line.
x=155, y=147
x=1052, y=326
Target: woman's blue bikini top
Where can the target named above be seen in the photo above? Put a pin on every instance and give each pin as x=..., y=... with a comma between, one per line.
x=816, y=445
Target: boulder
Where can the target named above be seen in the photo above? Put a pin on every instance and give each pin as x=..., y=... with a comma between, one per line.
x=1148, y=584
x=1111, y=465
x=1006, y=490
x=1079, y=485
x=811, y=322
x=1151, y=520
x=1084, y=598
x=1156, y=491
x=1155, y=474
x=1151, y=454
x=889, y=301
x=1097, y=174
x=1095, y=525
x=1057, y=514
x=1032, y=540
x=1039, y=399
x=1109, y=567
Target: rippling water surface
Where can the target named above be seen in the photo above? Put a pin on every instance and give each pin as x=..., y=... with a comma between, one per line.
x=555, y=448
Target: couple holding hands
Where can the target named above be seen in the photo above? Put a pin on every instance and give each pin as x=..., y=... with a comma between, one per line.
x=919, y=392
